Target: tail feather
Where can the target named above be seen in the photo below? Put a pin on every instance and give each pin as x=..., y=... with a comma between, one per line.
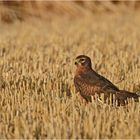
x=123, y=95
x=128, y=94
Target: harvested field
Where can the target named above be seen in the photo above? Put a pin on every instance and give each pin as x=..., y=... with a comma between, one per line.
x=37, y=94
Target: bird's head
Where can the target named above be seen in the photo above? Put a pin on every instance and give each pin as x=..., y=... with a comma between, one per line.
x=83, y=61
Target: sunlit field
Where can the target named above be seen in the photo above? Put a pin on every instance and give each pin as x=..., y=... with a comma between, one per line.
x=37, y=93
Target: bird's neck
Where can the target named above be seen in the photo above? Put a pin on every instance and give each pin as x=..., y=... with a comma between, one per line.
x=82, y=69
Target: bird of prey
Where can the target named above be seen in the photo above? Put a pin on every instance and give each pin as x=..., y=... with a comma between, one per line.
x=89, y=83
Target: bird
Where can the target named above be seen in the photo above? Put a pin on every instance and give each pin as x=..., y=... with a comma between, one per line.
x=88, y=83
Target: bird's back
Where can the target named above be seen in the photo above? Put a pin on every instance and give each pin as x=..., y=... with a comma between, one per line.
x=89, y=83
x=92, y=80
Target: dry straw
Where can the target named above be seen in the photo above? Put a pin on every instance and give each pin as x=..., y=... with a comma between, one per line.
x=37, y=94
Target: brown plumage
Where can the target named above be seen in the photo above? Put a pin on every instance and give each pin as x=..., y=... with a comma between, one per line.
x=88, y=83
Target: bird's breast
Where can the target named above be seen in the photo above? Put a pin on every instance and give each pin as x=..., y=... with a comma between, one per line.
x=88, y=89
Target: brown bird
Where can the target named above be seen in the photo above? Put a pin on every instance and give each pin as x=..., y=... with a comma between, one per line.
x=88, y=83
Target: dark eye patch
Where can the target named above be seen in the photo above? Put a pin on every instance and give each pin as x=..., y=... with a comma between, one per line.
x=82, y=59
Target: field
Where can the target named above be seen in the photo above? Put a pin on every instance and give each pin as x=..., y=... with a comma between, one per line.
x=37, y=94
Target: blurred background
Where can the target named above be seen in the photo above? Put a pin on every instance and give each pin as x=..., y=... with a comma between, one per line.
x=11, y=11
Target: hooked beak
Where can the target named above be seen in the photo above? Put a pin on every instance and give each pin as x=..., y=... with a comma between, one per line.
x=76, y=62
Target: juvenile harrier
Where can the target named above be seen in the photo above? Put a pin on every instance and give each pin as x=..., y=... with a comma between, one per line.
x=88, y=83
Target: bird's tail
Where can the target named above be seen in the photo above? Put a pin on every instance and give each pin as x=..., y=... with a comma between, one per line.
x=138, y=93
x=123, y=95
x=128, y=94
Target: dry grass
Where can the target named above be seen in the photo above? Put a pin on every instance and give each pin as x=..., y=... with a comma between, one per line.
x=11, y=11
x=37, y=95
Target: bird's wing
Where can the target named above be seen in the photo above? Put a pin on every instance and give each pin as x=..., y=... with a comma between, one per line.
x=94, y=79
x=90, y=83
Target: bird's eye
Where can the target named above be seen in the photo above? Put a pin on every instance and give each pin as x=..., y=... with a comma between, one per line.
x=82, y=60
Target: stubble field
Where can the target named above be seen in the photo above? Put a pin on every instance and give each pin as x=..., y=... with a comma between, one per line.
x=37, y=94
